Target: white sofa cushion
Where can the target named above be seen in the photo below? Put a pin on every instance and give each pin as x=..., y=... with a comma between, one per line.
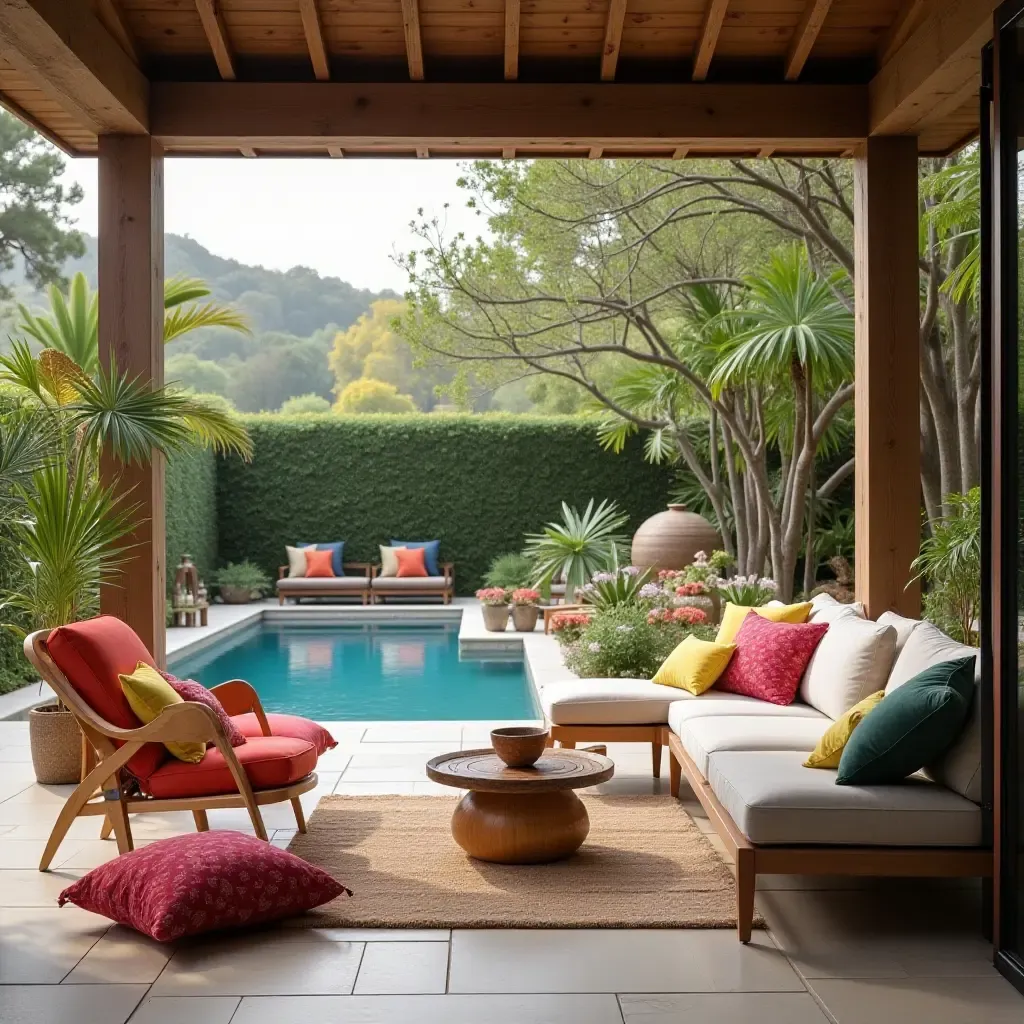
x=825, y=608
x=608, y=702
x=775, y=800
x=702, y=737
x=713, y=702
x=903, y=626
x=299, y=584
x=852, y=661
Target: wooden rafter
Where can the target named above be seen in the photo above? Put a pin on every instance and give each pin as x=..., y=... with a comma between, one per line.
x=422, y=152
x=909, y=16
x=596, y=152
x=315, y=39
x=413, y=38
x=217, y=36
x=511, y=40
x=508, y=153
x=336, y=152
x=248, y=151
x=109, y=13
x=714, y=15
x=679, y=153
x=804, y=37
x=612, y=39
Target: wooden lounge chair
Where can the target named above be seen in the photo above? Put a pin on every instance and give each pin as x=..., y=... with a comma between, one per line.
x=129, y=771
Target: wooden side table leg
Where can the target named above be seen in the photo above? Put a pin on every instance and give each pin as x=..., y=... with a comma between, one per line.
x=204, y=617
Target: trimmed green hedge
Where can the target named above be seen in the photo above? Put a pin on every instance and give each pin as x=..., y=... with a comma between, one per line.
x=476, y=482
x=191, y=511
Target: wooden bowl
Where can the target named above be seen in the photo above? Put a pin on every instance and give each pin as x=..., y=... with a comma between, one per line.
x=519, y=746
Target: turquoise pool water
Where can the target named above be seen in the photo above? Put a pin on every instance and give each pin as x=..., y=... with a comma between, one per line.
x=365, y=673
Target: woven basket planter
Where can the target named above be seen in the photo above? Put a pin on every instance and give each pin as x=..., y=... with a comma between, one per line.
x=56, y=743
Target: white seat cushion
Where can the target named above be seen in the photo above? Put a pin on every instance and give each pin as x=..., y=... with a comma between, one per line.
x=298, y=584
x=775, y=800
x=411, y=583
x=608, y=702
x=702, y=737
x=713, y=702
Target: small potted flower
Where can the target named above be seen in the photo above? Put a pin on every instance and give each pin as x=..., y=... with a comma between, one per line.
x=524, y=609
x=567, y=626
x=495, y=608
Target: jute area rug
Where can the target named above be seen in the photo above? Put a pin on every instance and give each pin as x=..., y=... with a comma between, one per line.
x=645, y=864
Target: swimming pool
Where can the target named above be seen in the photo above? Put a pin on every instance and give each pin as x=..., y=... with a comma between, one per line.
x=382, y=672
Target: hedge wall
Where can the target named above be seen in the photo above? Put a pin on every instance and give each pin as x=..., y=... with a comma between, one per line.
x=191, y=511
x=476, y=482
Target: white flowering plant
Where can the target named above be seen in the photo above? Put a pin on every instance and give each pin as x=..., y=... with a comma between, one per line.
x=749, y=591
x=624, y=585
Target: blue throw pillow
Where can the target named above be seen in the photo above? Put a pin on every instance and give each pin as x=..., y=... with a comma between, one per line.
x=337, y=550
x=431, y=552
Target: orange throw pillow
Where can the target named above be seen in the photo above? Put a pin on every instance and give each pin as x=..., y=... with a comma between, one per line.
x=318, y=563
x=411, y=561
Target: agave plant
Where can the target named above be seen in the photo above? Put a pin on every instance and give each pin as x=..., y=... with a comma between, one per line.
x=615, y=587
x=575, y=548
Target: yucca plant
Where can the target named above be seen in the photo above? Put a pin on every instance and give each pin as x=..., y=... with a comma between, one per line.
x=575, y=548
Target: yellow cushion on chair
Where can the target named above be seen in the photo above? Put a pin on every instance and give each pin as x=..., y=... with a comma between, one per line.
x=829, y=750
x=694, y=665
x=149, y=693
x=734, y=614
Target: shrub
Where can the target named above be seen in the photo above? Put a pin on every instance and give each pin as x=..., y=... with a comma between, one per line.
x=245, y=576
x=302, y=405
x=617, y=586
x=509, y=571
x=623, y=643
x=191, y=511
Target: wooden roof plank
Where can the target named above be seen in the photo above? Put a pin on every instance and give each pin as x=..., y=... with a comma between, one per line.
x=806, y=33
x=109, y=13
x=310, y=14
x=413, y=38
x=714, y=15
x=511, y=40
x=612, y=39
x=217, y=36
x=909, y=16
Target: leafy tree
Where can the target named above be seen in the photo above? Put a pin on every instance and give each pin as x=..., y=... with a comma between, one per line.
x=373, y=396
x=279, y=370
x=198, y=374
x=303, y=404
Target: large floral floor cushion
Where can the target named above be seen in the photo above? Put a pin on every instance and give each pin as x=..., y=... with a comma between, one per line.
x=293, y=726
x=270, y=762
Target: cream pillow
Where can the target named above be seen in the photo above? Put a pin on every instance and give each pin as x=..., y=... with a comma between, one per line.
x=825, y=608
x=852, y=662
x=388, y=561
x=297, y=561
x=903, y=626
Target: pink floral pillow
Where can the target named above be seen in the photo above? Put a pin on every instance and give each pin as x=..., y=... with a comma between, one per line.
x=189, y=689
x=770, y=658
x=202, y=882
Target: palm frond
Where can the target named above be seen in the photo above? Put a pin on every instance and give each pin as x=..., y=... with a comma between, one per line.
x=183, y=319
x=21, y=368
x=182, y=288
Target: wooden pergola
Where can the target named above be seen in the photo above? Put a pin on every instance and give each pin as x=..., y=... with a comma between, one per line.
x=882, y=81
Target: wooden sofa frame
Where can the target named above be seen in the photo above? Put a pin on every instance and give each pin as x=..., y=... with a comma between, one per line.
x=326, y=590
x=444, y=590
x=105, y=788
x=752, y=860
x=569, y=735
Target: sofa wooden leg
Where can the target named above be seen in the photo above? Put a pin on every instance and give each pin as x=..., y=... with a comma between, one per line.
x=746, y=877
x=201, y=820
x=675, y=775
x=567, y=744
x=656, y=758
x=280, y=599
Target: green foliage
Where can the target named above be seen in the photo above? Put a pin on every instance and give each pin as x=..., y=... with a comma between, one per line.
x=611, y=589
x=363, y=396
x=509, y=571
x=478, y=483
x=191, y=511
x=302, y=405
x=621, y=643
x=245, y=575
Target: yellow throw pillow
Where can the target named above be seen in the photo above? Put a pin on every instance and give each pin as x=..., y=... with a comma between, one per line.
x=694, y=665
x=148, y=694
x=734, y=614
x=830, y=747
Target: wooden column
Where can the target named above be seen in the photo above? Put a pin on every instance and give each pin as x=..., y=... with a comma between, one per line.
x=131, y=287
x=887, y=368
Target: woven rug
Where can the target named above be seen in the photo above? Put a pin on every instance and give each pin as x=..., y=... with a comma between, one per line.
x=645, y=864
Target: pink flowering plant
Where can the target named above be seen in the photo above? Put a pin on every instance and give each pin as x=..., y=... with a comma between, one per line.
x=493, y=596
x=525, y=595
x=704, y=567
x=685, y=614
x=567, y=626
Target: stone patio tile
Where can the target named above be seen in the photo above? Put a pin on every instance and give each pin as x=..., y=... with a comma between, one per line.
x=68, y=1004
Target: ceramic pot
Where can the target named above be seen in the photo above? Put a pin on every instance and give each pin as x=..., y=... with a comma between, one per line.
x=495, y=617
x=524, y=617
x=670, y=539
x=56, y=743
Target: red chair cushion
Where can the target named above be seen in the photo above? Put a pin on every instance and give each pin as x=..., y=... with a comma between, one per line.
x=269, y=761
x=202, y=882
x=92, y=654
x=287, y=725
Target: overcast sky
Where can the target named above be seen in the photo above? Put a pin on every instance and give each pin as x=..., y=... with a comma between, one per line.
x=344, y=218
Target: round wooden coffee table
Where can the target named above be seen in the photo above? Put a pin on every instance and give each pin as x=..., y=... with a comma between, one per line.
x=520, y=815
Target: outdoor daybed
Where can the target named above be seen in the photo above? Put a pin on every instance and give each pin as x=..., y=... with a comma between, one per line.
x=354, y=583
x=744, y=757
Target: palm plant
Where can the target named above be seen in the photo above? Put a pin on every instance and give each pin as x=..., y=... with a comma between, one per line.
x=954, y=212
x=575, y=548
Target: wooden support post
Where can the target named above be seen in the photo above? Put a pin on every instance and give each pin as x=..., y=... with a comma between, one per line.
x=131, y=313
x=887, y=369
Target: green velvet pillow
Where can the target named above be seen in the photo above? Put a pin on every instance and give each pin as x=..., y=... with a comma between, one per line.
x=911, y=727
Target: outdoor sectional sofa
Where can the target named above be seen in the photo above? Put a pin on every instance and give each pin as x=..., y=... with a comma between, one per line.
x=355, y=582
x=442, y=586
x=744, y=757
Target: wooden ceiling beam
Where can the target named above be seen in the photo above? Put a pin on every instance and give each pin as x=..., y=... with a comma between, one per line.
x=714, y=15
x=492, y=115
x=217, y=36
x=511, y=40
x=612, y=39
x=110, y=14
x=66, y=51
x=909, y=16
x=805, y=36
x=937, y=61
x=413, y=38
x=311, y=26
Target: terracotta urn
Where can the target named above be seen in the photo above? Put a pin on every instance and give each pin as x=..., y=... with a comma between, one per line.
x=670, y=539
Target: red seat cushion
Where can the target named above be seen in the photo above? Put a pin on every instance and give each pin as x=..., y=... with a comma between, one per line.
x=92, y=654
x=269, y=761
x=287, y=725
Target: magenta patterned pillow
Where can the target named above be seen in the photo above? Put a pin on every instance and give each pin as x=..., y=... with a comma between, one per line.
x=200, y=883
x=770, y=658
x=189, y=689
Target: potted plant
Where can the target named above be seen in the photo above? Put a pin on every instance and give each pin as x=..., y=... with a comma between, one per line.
x=495, y=608
x=241, y=582
x=524, y=609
